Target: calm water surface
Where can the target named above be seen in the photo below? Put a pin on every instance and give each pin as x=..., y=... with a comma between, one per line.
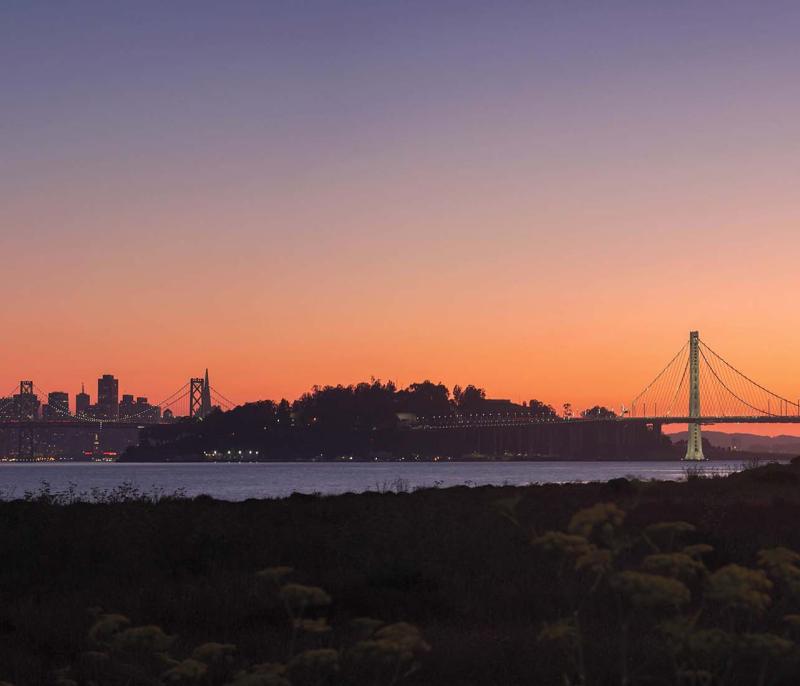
x=239, y=481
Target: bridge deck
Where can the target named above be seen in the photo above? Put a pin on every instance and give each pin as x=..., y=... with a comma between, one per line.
x=73, y=424
x=444, y=423
x=466, y=422
x=780, y=419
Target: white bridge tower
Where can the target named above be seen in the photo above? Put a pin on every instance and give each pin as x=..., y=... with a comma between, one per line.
x=694, y=442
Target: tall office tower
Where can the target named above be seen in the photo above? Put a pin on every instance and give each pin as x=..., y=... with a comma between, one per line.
x=205, y=398
x=26, y=404
x=148, y=412
x=7, y=410
x=127, y=407
x=82, y=402
x=108, y=397
x=57, y=406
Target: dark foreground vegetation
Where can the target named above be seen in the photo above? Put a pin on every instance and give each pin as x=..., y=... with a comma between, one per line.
x=618, y=583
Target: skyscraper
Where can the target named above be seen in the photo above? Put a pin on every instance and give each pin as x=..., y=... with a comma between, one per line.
x=205, y=399
x=140, y=409
x=147, y=412
x=108, y=397
x=127, y=407
x=57, y=406
x=26, y=404
x=82, y=402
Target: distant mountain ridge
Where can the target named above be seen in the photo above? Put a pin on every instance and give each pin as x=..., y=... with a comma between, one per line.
x=747, y=442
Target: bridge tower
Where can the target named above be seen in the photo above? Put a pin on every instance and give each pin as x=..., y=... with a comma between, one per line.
x=694, y=441
x=195, y=397
x=27, y=407
x=199, y=397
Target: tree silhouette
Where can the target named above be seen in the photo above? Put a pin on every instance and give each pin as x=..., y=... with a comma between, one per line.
x=471, y=399
x=598, y=412
x=540, y=410
x=424, y=399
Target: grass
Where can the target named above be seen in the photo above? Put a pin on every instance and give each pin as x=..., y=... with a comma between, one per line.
x=462, y=564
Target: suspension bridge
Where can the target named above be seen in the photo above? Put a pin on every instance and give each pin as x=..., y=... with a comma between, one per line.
x=697, y=386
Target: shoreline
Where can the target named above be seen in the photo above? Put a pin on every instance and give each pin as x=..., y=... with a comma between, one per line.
x=731, y=457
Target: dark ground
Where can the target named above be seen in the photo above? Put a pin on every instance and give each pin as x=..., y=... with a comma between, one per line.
x=458, y=563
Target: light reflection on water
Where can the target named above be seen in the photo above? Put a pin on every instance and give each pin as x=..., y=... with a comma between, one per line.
x=239, y=481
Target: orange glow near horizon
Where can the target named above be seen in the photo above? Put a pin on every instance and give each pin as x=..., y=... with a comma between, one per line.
x=537, y=309
x=543, y=205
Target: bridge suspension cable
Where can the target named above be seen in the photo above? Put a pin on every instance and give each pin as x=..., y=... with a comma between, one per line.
x=664, y=391
x=744, y=390
x=221, y=400
x=725, y=391
x=167, y=403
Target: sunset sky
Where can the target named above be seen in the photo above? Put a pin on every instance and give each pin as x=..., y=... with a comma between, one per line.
x=540, y=198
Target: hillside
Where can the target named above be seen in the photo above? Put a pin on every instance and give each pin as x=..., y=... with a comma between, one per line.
x=782, y=445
